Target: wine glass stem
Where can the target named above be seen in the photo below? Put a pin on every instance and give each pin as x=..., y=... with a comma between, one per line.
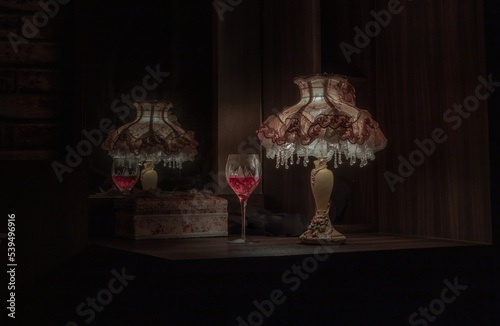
x=243, y=203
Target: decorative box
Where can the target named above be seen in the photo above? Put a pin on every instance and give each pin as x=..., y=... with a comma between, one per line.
x=165, y=215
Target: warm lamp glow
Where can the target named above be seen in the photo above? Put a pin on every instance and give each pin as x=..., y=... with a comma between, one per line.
x=155, y=135
x=325, y=124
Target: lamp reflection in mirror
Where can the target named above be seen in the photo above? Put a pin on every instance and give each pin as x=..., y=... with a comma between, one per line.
x=327, y=125
x=154, y=136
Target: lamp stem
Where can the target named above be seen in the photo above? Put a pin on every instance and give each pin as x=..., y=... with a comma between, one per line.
x=321, y=230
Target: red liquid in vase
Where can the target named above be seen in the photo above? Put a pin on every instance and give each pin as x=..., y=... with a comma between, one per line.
x=243, y=186
x=125, y=182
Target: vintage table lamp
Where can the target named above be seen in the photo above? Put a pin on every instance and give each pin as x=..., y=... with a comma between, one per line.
x=324, y=124
x=154, y=136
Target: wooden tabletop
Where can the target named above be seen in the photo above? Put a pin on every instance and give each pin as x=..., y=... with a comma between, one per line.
x=260, y=246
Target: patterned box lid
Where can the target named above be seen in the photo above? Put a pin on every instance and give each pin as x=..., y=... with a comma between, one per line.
x=172, y=202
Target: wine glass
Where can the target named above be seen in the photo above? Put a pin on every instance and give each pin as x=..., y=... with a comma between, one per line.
x=243, y=173
x=125, y=173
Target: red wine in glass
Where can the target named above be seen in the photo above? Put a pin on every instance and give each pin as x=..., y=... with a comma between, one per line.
x=243, y=173
x=243, y=186
x=125, y=182
x=125, y=173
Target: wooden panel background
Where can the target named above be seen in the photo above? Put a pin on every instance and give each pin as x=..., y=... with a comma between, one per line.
x=239, y=85
x=175, y=35
x=425, y=61
x=428, y=59
x=40, y=113
x=291, y=48
x=34, y=83
x=338, y=20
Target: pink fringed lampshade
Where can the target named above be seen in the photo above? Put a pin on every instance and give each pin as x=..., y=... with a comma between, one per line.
x=325, y=123
x=154, y=135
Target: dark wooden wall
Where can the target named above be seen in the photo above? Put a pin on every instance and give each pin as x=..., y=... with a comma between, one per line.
x=428, y=59
x=33, y=82
x=297, y=38
x=39, y=116
x=262, y=46
x=291, y=48
x=359, y=185
x=175, y=35
x=424, y=62
x=239, y=86
x=492, y=40
x=64, y=80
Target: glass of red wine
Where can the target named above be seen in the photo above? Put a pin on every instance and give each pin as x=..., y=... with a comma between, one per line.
x=243, y=173
x=125, y=173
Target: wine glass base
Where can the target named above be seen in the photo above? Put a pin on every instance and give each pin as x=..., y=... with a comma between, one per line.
x=237, y=241
x=242, y=241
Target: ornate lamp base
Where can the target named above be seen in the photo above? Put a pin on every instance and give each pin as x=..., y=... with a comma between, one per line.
x=321, y=231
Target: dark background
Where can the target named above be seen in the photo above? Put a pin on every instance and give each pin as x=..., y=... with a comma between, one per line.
x=177, y=36
x=99, y=50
